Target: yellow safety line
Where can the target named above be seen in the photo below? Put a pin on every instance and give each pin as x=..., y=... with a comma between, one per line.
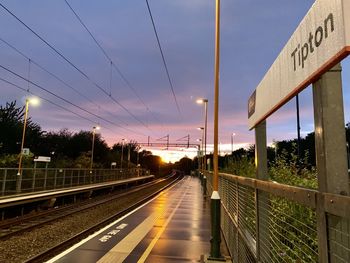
x=122, y=250
x=160, y=232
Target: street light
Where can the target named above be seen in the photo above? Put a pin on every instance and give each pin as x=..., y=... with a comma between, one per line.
x=93, y=144
x=199, y=157
x=129, y=156
x=202, y=140
x=34, y=101
x=205, y=102
x=121, y=157
x=232, y=137
x=215, y=197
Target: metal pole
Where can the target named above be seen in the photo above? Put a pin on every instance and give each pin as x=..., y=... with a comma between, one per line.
x=121, y=157
x=348, y=154
x=129, y=155
x=298, y=130
x=19, y=174
x=202, y=159
x=92, y=150
x=205, y=134
x=4, y=183
x=215, y=198
x=199, y=157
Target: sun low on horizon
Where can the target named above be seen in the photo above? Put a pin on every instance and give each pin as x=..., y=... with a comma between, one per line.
x=172, y=156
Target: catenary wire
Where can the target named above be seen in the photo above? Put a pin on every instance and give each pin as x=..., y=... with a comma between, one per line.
x=113, y=64
x=67, y=101
x=70, y=63
x=57, y=105
x=55, y=76
x=163, y=58
x=25, y=90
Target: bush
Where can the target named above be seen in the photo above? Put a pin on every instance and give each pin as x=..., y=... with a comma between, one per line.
x=287, y=171
x=12, y=160
x=240, y=166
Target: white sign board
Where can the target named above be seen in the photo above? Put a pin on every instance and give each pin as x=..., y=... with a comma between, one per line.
x=43, y=159
x=26, y=151
x=321, y=40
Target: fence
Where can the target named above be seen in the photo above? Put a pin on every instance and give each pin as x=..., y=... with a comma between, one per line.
x=45, y=179
x=263, y=221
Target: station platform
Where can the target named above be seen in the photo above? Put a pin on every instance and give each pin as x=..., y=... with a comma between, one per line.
x=172, y=227
x=12, y=200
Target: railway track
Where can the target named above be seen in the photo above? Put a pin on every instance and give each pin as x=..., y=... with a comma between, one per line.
x=18, y=226
x=54, y=250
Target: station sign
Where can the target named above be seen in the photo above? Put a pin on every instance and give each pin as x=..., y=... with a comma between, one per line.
x=321, y=40
x=44, y=159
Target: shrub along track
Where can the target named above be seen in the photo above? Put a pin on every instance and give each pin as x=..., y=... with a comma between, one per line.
x=49, y=239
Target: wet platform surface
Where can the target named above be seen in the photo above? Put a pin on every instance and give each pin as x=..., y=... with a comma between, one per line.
x=173, y=227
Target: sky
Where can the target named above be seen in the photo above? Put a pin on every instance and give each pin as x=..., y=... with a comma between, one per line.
x=137, y=101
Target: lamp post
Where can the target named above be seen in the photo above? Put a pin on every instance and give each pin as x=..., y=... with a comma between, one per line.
x=129, y=156
x=93, y=144
x=33, y=101
x=121, y=157
x=232, y=137
x=202, y=140
x=348, y=154
x=205, y=102
x=215, y=197
x=199, y=155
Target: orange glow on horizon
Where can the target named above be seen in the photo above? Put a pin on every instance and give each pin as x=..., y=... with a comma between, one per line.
x=172, y=156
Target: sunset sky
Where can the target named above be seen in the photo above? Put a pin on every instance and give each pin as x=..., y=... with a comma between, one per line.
x=139, y=102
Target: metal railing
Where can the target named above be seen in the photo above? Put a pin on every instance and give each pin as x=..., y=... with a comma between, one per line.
x=39, y=179
x=264, y=221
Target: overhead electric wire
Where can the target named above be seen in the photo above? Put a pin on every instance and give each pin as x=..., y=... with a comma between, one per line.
x=67, y=101
x=55, y=76
x=25, y=90
x=126, y=81
x=55, y=104
x=70, y=63
x=57, y=96
x=41, y=67
x=163, y=58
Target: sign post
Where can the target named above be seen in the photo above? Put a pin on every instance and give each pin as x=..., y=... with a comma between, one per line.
x=43, y=159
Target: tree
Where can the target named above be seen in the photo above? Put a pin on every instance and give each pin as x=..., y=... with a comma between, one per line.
x=152, y=163
x=11, y=123
x=55, y=144
x=185, y=164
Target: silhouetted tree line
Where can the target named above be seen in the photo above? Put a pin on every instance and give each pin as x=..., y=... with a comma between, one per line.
x=68, y=149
